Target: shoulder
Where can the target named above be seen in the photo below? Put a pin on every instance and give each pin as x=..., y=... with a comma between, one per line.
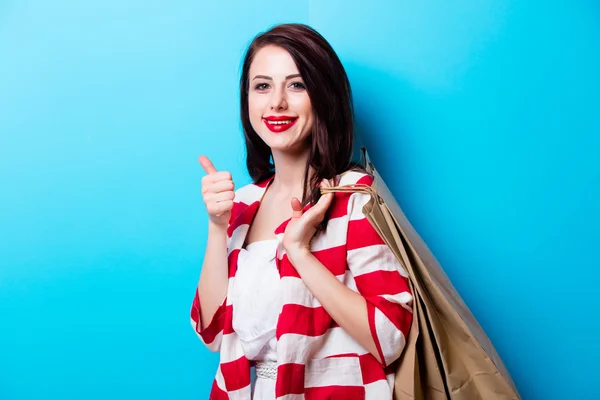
x=251, y=192
x=354, y=177
x=349, y=204
x=246, y=198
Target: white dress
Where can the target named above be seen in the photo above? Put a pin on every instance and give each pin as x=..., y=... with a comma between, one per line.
x=256, y=306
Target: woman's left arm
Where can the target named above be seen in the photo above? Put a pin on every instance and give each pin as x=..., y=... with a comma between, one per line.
x=379, y=315
x=347, y=308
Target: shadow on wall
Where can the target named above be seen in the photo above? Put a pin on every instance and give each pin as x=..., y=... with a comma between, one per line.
x=379, y=109
x=426, y=163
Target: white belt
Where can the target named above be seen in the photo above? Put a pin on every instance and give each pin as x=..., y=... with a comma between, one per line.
x=266, y=370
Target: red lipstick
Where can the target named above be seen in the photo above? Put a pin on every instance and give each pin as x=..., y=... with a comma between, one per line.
x=279, y=123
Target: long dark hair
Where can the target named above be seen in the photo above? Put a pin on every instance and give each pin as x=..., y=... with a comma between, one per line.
x=330, y=94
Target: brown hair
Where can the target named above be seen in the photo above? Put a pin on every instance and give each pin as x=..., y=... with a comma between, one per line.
x=329, y=91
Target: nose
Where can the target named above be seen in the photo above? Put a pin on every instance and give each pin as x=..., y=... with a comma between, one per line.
x=278, y=100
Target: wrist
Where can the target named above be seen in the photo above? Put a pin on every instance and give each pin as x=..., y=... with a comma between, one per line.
x=298, y=255
x=216, y=229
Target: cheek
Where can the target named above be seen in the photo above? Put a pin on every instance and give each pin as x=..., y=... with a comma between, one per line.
x=303, y=106
x=255, y=106
x=255, y=112
x=309, y=126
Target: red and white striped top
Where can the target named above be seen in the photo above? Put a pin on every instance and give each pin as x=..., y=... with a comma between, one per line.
x=316, y=358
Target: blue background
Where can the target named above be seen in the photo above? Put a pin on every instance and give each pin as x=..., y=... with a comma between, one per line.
x=482, y=116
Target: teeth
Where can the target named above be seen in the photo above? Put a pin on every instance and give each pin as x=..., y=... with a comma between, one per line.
x=279, y=122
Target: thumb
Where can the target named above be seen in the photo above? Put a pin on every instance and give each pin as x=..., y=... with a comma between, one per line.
x=207, y=165
x=296, y=208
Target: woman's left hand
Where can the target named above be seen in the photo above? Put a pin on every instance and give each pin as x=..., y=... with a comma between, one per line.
x=303, y=225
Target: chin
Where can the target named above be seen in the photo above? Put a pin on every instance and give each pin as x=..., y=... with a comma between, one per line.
x=283, y=141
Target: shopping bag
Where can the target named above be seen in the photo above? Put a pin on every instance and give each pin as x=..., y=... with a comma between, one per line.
x=447, y=353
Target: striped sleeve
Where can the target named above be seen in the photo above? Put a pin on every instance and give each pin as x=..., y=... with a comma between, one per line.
x=381, y=279
x=212, y=334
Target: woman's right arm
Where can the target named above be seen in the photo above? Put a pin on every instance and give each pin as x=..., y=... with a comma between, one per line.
x=208, y=309
x=212, y=286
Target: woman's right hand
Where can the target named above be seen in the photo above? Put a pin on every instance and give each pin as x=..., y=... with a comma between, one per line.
x=217, y=192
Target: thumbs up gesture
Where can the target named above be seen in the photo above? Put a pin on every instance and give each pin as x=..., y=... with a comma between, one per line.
x=217, y=192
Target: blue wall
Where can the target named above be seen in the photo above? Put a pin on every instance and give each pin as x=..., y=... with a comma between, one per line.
x=482, y=116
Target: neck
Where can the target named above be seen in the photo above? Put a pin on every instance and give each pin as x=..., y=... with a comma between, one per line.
x=289, y=172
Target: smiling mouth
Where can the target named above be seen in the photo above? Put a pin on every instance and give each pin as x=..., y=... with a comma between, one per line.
x=284, y=122
x=280, y=126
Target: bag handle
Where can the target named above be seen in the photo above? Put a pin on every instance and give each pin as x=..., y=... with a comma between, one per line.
x=350, y=188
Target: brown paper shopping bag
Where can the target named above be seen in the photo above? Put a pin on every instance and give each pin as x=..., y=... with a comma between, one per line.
x=447, y=355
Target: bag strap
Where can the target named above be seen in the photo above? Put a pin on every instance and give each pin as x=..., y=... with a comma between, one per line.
x=357, y=187
x=350, y=188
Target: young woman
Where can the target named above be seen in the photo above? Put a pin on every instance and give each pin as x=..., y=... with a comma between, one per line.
x=295, y=284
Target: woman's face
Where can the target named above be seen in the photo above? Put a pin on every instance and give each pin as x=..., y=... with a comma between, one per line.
x=279, y=106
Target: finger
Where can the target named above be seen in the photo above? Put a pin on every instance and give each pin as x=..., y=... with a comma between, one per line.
x=218, y=187
x=208, y=166
x=221, y=208
x=216, y=177
x=224, y=196
x=324, y=202
x=318, y=210
x=212, y=198
x=296, y=208
x=327, y=182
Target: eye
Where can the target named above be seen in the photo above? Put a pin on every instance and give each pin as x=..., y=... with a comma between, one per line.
x=298, y=85
x=261, y=86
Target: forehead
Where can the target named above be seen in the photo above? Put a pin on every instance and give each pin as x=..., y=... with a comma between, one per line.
x=273, y=61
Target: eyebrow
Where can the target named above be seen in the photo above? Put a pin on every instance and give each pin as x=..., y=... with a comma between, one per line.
x=270, y=79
